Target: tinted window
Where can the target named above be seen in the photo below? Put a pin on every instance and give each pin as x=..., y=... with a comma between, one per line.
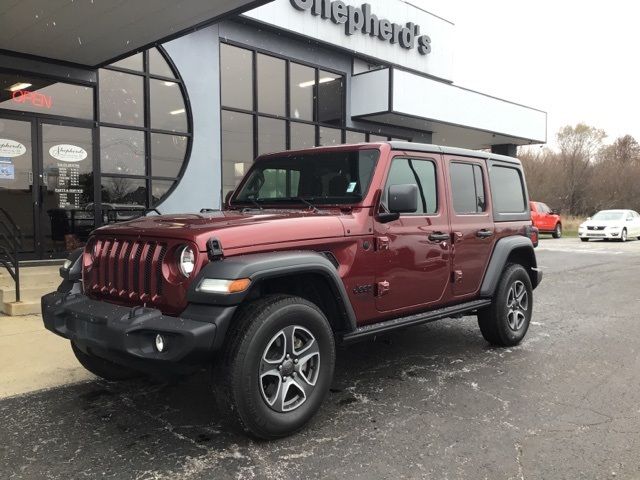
x=419, y=172
x=303, y=135
x=330, y=98
x=467, y=188
x=158, y=65
x=271, y=135
x=122, y=151
x=167, y=154
x=168, y=111
x=302, y=88
x=507, y=190
x=237, y=148
x=121, y=98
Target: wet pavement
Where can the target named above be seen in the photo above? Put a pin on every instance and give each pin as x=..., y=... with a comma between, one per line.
x=430, y=402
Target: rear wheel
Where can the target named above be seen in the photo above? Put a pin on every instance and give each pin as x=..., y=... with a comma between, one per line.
x=277, y=367
x=557, y=232
x=506, y=321
x=103, y=368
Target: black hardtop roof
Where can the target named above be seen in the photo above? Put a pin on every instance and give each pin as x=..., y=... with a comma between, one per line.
x=463, y=152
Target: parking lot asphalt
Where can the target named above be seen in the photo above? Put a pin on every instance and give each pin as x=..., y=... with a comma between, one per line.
x=434, y=401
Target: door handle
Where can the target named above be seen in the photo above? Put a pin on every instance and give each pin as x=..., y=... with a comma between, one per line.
x=484, y=233
x=439, y=237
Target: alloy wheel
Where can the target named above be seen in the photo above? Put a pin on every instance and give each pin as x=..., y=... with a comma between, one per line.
x=289, y=368
x=517, y=305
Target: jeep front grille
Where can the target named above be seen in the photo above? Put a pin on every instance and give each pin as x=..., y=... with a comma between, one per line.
x=127, y=270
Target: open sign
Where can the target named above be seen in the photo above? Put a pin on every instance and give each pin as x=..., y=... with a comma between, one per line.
x=34, y=98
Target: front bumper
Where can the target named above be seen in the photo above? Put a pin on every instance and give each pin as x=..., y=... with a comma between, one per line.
x=606, y=233
x=126, y=336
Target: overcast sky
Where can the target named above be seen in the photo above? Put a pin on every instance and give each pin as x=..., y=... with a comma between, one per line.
x=577, y=60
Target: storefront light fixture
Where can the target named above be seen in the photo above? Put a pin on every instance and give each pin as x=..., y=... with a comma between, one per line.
x=169, y=84
x=19, y=86
x=177, y=112
x=311, y=83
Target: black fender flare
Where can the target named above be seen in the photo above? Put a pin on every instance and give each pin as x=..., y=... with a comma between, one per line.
x=501, y=252
x=262, y=266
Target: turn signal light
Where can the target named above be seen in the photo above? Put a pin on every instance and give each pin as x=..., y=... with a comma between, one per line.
x=217, y=285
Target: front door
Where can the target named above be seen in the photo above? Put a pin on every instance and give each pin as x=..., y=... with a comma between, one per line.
x=46, y=184
x=413, y=258
x=66, y=187
x=17, y=195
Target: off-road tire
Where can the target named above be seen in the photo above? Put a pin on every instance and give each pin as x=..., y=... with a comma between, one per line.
x=494, y=320
x=238, y=375
x=103, y=368
x=557, y=231
x=584, y=239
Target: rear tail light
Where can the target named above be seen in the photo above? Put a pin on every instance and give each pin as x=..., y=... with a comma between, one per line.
x=532, y=233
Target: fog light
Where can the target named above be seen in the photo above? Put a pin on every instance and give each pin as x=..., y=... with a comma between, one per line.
x=159, y=343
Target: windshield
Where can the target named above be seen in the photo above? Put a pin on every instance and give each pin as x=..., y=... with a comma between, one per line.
x=317, y=178
x=608, y=215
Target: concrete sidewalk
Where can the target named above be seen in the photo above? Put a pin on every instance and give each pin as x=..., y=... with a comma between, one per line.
x=32, y=358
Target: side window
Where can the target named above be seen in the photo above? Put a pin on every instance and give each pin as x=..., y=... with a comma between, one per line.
x=467, y=188
x=507, y=190
x=420, y=172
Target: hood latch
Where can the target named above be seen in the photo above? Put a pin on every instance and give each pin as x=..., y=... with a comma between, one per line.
x=214, y=249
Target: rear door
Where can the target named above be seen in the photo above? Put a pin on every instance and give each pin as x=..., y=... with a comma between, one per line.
x=413, y=252
x=471, y=222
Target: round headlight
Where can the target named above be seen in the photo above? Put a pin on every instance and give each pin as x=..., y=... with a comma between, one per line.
x=186, y=261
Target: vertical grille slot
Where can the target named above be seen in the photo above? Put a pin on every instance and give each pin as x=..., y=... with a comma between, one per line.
x=159, y=277
x=126, y=258
x=136, y=268
x=147, y=268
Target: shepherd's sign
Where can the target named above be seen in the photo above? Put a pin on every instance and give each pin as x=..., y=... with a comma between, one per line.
x=362, y=19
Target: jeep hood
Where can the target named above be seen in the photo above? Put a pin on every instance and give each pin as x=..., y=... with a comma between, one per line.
x=234, y=229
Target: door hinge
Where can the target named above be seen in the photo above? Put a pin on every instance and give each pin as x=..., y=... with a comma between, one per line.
x=383, y=288
x=382, y=243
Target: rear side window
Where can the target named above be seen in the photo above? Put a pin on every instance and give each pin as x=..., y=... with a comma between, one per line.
x=467, y=188
x=507, y=190
x=419, y=172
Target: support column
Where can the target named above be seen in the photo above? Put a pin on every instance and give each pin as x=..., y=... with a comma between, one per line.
x=508, y=149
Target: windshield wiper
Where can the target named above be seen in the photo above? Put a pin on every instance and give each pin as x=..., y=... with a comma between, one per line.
x=307, y=202
x=255, y=202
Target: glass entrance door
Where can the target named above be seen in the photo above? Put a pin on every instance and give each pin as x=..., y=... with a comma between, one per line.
x=16, y=179
x=66, y=187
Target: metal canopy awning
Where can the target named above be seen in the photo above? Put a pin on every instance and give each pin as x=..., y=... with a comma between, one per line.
x=96, y=32
x=454, y=116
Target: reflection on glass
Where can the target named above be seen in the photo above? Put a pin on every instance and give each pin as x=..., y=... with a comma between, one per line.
x=122, y=151
x=330, y=136
x=158, y=65
x=159, y=189
x=302, y=136
x=271, y=85
x=356, y=137
x=121, y=98
x=134, y=62
x=302, y=89
x=167, y=154
x=33, y=94
x=236, y=76
x=168, y=111
x=330, y=98
x=271, y=135
x=237, y=148
x=377, y=138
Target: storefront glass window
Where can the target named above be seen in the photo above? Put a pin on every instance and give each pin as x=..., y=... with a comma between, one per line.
x=330, y=136
x=330, y=98
x=158, y=65
x=302, y=88
x=168, y=152
x=122, y=151
x=168, y=111
x=356, y=137
x=134, y=62
x=37, y=95
x=121, y=98
x=303, y=135
x=237, y=148
x=236, y=76
x=271, y=135
x=271, y=85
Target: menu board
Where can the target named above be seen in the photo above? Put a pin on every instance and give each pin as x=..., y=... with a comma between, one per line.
x=68, y=189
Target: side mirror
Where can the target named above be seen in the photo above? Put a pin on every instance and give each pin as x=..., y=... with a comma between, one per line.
x=400, y=199
x=629, y=219
x=555, y=211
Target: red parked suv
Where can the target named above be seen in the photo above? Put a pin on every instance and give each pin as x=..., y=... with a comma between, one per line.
x=546, y=219
x=313, y=248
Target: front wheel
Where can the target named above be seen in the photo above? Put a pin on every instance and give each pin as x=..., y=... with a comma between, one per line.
x=506, y=321
x=623, y=236
x=557, y=232
x=277, y=367
x=584, y=239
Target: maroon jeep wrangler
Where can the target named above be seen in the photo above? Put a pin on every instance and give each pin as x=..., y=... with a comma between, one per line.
x=314, y=247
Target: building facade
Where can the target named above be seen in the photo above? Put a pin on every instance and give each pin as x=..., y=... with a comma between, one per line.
x=174, y=127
